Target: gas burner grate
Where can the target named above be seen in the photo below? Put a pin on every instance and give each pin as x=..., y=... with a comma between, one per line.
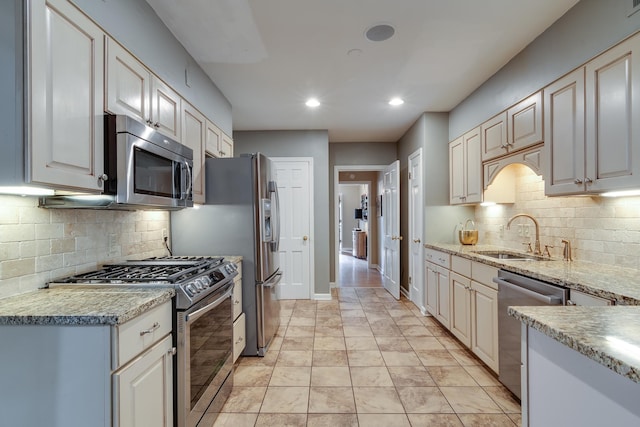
x=150, y=270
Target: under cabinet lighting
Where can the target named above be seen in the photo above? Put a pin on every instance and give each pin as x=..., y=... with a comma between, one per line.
x=485, y=204
x=627, y=193
x=26, y=191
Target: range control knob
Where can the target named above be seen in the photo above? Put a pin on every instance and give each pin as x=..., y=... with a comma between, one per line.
x=190, y=290
x=205, y=282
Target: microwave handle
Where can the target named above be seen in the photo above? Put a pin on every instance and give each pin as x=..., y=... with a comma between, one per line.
x=189, y=185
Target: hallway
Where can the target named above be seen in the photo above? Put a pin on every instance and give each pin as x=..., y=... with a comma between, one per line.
x=355, y=273
x=364, y=359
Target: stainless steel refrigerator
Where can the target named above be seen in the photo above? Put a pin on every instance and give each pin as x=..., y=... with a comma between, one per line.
x=240, y=217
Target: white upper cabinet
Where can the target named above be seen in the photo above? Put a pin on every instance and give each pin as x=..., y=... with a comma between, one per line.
x=65, y=114
x=194, y=129
x=127, y=83
x=218, y=143
x=525, y=123
x=564, y=134
x=132, y=89
x=494, y=137
x=592, y=137
x=612, y=89
x=166, y=109
x=515, y=129
x=226, y=146
x=465, y=168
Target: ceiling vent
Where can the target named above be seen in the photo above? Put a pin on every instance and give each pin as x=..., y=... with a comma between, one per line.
x=382, y=32
x=634, y=6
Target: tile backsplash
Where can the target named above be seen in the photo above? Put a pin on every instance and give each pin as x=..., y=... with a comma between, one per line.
x=600, y=229
x=39, y=245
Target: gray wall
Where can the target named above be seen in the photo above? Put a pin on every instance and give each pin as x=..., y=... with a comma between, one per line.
x=586, y=30
x=429, y=132
x=312, y=143
x=353, y=154
x=135, y=25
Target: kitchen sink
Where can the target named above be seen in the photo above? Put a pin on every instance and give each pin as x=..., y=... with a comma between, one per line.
x=512, y=256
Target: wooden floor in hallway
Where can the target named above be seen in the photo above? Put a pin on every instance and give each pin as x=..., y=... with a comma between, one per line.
x=355, y=273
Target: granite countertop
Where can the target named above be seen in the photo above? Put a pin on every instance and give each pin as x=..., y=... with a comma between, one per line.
x=81, y=305
x=607, y=335
x=606, y=281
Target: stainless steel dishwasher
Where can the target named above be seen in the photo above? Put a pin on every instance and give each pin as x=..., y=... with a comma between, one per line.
x=515, y=289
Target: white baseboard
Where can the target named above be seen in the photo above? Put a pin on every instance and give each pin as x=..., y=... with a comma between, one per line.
x=322, y=297
x=404, y=292
x=379, y=268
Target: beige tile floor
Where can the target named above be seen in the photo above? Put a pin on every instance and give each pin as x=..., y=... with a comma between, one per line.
x=364, y=359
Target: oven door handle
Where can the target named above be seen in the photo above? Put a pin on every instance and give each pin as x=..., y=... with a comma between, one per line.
x=201, y=311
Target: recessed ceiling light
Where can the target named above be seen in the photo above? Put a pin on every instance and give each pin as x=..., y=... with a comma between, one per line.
x=312, y=102
x=380, y=33
x=396, y=101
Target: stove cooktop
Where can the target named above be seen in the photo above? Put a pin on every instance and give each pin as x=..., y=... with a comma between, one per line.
x=193, y=277
x=175, y=269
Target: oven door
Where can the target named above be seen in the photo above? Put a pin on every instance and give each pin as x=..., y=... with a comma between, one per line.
x=204, y=357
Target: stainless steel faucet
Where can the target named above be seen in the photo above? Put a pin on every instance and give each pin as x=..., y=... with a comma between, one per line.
x=536, y=247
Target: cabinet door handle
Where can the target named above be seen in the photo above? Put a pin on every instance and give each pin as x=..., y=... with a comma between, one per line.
x=153, y=327
x=172, y=352
x=588, y=180
x=239, y=340
x=569, y=302
x=577, y=181
x=416, y=240
x=236, y=302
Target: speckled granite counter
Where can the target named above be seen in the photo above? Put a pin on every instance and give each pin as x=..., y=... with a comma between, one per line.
x=607, y=335
x=611, y=282
x=81, y=305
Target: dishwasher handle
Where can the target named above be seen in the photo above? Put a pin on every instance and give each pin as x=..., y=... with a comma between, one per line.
x=547, y=299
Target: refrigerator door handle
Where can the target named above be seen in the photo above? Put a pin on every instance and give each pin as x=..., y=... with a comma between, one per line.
x=275, y=241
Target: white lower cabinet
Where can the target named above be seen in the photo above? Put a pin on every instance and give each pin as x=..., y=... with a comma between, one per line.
x=143, y=389
x=89, y=375
x=460, y=288
x=484, y=321
x=437, y=300
x=465, y=301
x=239, y=336
x=239, y=322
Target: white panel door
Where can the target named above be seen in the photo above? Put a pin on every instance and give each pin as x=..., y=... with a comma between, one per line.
x=391, y=229
x=295, y=189
x=416, y=252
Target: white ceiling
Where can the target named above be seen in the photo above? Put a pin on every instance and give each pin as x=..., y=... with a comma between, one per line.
x=268, y=56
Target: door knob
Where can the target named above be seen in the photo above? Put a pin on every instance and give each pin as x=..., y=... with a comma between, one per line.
x=400, y=237
x=305, y=238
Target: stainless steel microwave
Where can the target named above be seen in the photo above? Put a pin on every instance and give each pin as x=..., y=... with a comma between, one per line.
x=143, y=169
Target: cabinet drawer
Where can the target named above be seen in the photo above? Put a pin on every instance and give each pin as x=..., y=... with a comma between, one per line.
x=136, y=335
x=237, y=298
x=238, y=336
x=461, y=265
x=440, y=258
x=483, y=273
x=580, y=298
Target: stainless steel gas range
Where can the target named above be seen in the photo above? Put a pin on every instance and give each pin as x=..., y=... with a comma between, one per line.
x=202, y=329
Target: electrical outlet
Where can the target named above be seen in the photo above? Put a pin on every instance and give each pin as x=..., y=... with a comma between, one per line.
x=164, y=233
x=526, y=230
x=501, y=231
x=520, y=232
